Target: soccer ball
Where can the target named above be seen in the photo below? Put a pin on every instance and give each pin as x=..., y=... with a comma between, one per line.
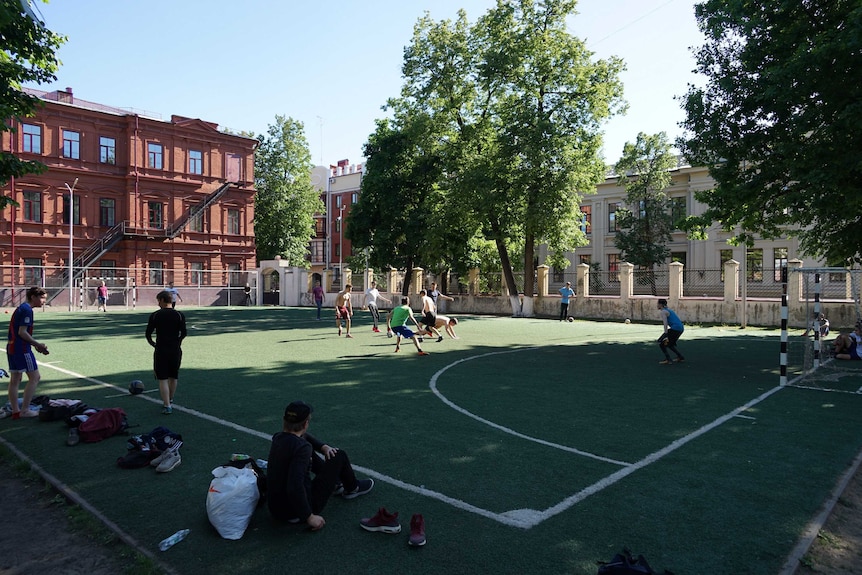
x=628, y=320
x=570, y=319
x=136, y=387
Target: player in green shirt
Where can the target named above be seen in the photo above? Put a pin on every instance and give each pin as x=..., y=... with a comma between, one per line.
x=397, y=323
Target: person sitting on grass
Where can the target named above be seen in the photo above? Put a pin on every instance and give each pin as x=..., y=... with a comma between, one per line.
x=397, y=322
x=293, y=495
x=818, y=323
x=849, y=346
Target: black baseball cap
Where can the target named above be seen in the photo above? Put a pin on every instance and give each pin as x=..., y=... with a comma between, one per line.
x=297, y=412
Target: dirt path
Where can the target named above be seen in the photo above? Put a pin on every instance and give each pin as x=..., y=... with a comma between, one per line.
x=38, y=536
x=838, y=548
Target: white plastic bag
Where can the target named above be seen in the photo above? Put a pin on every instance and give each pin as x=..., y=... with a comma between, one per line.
x=231, y=500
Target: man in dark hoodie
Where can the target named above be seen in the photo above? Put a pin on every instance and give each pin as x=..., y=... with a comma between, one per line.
x=294, y=456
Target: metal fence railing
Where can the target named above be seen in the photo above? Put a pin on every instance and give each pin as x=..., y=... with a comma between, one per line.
x=126, y=286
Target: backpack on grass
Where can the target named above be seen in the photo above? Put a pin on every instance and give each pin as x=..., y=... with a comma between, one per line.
x=103, y=424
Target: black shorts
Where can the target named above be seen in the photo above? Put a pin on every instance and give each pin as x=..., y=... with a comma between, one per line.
x=166, y=363
x=430, y=319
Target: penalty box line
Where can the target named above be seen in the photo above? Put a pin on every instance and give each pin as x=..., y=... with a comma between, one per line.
x=527, y=518
x=524, y=518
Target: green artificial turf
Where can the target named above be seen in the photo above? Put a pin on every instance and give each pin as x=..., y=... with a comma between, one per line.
x=530, y=446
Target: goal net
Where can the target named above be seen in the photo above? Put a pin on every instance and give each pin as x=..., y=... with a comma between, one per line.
x=829, y=305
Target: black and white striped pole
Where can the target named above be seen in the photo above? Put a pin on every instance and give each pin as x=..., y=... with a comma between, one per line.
x=782, y=380
x=816, y=323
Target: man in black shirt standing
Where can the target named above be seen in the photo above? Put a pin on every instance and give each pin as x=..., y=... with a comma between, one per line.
x=291, y=493
x=170, y=328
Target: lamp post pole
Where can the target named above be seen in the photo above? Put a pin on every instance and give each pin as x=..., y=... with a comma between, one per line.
x=71, y=242
x=340, y=246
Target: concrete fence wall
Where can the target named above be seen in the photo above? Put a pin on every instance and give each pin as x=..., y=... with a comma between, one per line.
x=721, y=310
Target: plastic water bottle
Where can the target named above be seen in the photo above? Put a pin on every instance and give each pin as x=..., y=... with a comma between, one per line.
x=173, y=539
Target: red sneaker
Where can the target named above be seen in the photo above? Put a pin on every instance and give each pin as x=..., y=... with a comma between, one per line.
x=424, y=353
x=383, y=522
x=417, y=531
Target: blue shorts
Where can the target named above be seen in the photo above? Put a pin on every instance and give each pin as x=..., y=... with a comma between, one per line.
x=403, y=330
x=853, y=351
x=22, y=362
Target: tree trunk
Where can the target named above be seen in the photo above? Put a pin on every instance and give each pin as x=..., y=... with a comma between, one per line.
x=507, y=273
x=408, y=277
x=529, y=286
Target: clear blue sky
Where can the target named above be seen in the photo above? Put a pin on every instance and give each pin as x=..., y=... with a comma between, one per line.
x=331, y=65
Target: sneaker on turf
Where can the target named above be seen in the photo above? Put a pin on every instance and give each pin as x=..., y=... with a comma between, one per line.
x=363, y=486
x=665, y=362
x=167, y=410
x=439, y=338
x=348, y=335
x=171, y=460
x=73, y=438
x=155, y=461
x=679, y=360
x=423, y=352
x=417, y=531
x=25, y=414
x=383, y=522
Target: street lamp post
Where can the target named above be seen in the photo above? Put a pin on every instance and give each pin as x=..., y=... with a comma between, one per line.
x=340, y=221
x=71, y=242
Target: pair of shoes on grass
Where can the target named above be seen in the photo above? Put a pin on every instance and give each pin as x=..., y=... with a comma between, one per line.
x=386, y=522
x=167, y=461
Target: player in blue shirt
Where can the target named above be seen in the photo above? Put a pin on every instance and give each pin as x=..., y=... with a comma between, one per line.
x=566, y=292
x=673, y=328
x=19, y=350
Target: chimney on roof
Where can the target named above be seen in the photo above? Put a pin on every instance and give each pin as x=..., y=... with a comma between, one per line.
x=66, y=96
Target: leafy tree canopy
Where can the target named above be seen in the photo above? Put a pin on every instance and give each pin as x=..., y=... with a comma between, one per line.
x=27, y=55
x=778, y=122
x=645, y=228
x=285, y=201
x=520, y=103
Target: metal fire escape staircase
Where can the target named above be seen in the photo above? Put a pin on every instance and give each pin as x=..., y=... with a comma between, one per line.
x=124, y=230
x=178, y=226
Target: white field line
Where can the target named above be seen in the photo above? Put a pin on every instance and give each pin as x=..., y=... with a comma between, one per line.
x=461, y=410
x=521, y=518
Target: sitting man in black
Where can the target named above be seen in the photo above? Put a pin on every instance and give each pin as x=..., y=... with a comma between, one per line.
x=292, y=494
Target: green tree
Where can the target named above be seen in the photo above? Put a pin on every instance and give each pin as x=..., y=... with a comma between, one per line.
x=646, y=227
x=27, y=55
x=394, y=216
x=285, y=201
x=778, y=122
x=523, y=101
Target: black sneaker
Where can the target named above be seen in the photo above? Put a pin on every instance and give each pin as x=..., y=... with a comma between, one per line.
x=439, y=339
x=363, y=486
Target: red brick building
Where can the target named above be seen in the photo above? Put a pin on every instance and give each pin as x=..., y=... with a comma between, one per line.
x=173, y=199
